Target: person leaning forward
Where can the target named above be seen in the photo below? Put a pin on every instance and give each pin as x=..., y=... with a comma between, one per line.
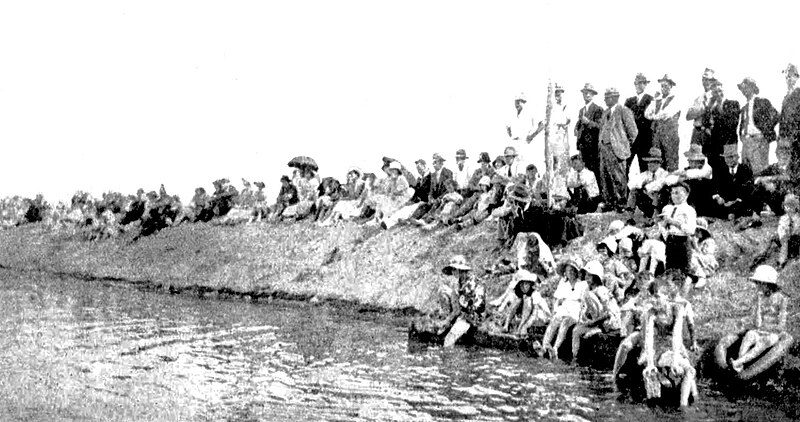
x=616, y=135
x=467, y=302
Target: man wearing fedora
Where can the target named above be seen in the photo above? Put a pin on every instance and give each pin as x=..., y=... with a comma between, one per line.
x=734, y=183
x=438, y=187
x=521, y=130
x=462, y=172
x=664, y=113
x=584, y=194
x=646, y=187
x=698, y=176
x=790, y=117
x=756, y=126
x=616, y=136
x=774, y=182
x=720, y=121
x=513, y=166
x=698, y=108
x=587, y=129
x=638, y=105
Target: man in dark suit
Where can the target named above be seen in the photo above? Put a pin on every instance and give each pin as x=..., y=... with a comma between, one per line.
x=587, y=130
x=638, y=104
x=734, y=184
x=790, y=118
x=720, y=121
x=438, y=182
x=756, y=127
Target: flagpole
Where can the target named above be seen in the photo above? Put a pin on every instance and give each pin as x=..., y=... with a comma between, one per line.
x=548, y=153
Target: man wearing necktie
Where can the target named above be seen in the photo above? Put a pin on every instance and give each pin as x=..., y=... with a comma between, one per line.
x=638, y=105
x=616, y=135
x=664, y=113
x=587, y=129
x=720, y=122
x=734, y=182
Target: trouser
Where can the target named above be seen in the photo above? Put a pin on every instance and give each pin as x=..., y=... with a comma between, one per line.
x=668, y=141
x=590, y=158
x=580, y=199
x=640, y=150
x=755, y=152
x=649, y=203
x=679, y=252
x=700, y=196
x=613, y=178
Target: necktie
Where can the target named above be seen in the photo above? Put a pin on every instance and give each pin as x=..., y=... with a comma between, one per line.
x=733, y=171
x=509, y=170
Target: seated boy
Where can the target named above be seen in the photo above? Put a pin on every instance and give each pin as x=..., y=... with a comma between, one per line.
x=584, y=194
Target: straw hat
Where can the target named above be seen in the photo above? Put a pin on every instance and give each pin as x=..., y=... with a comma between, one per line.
x=484, y=158
x=615, y=226
x=525, y=275
x=612, y=92
x=485, y=181
x=765, y=274
x=461, y=154
x=395, y=165
x=510, y=151
x=640, y=78
x=437, y=157
x=457, y=262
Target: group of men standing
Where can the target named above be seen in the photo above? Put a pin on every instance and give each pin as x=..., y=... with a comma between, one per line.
x=646, y=127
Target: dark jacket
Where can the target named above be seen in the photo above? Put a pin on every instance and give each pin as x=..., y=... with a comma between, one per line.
x=790, y=117
x=422, y=189
x=722, y=122
x=587, y=134
x=438, y=188
x=737, y=186
x=765, y=117
x=645, y=137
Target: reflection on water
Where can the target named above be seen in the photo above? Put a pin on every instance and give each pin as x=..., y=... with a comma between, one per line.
x=76, y=350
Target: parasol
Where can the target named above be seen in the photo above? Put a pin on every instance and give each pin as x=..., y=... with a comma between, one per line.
x=303, y=161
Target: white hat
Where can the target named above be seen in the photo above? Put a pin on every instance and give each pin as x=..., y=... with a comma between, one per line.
x=458, y=262
x=395, y=165
x=615, y=226
x=525, y=275
x=594, y=267
x=765, y=274
x=610, y=242
x=485, y=181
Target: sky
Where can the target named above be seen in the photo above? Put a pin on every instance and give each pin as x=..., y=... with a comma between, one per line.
x=111, y=95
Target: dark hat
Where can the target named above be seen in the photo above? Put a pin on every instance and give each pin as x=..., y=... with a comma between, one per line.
x=285, y=178
x=558, y=87
x=577, y=156
x=484, y=158
x=519, y=193
x=640, y=78
x=748, y=82
x=682, y=184
x=421, y=161
x=501, y=159
x=260, y=185
x=668, y=80
x=654, y=155
x=437, y=157
x=531, y=167
x=589, y=87
x=461, y=154
x=730, y=150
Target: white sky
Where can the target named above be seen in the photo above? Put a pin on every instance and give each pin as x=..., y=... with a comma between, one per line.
x=107, y=95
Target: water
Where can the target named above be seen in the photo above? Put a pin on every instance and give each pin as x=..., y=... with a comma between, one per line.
x=78, y=350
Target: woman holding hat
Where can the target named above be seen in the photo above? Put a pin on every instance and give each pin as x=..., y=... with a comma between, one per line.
x=466, y=304
x=770, y=313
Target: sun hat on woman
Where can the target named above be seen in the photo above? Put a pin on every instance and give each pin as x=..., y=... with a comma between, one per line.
x=457, y=262
x=765, y=274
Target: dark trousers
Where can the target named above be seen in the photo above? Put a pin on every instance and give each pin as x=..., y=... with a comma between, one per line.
x=581, y=200
x=591, y=158
x=679, y=252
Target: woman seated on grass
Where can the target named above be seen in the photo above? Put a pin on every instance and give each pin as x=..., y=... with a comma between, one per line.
x=704, y=257
x=464, y=305
x=664, y=353
x=392, y=194
x=769, y=315
x=599, y=309
x=349, y=205
x=617, y=274
x=306, y=183
x=567, y=305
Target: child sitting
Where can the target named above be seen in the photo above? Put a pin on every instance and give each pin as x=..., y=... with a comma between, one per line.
x=599, y=309
x=525, y=301
x=652, y=257
x=787, y=241
x=566, y=308
x=769, y=315
x=636, y=296
x=617, y=275
x=704, y=259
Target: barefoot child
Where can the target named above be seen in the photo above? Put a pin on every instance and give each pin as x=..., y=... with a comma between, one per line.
x=599, y=309
x=468, y=309
x=770, y=317
x=567, y=306
x=533, y=307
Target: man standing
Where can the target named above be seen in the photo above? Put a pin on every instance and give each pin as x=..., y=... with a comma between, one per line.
x=616, y=136
x=638, y=105
x=790, y=118
x=756, y=127
x=462, y=172
x=664, y=113
x=521, y=129
x=720, y=121
x=587, y=129
x=698, y=109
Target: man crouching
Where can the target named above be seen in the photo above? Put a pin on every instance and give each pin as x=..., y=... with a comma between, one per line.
x=466, y=305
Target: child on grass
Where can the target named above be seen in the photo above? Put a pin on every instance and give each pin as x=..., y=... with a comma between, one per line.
x=567, y=305
x=600, y=311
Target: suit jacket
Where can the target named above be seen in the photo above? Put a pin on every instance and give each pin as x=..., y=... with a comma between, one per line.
x=722, y=122
x=587, y=134
x=619, y=129
x=437, y=184
x=790, y=116
x=765, y=117
x=731, y=187
x=643, y=124
x=422, y=188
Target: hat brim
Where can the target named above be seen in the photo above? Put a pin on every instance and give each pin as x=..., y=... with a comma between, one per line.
x=589, y=90
x=561, y=268
x=653, y=159
x=755, y=280
x=669, y=81
x=448, y=270
x=693, y=157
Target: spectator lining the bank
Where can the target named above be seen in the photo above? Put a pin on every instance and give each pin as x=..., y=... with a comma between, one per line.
x=584, y=194
x=394, y=195
x=617, y=275
x=349, y=205
x=646, y=187
x=306, y=183
x=774, y=182
x=599, y=309
x=704, y=255
x=567, y=305
x=467, y=302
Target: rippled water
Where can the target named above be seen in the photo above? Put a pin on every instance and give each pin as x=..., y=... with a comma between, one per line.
x=77, y=350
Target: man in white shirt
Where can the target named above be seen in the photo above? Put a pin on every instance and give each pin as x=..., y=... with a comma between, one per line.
x=698, y=175
x=582, y=186
x=646, y=188
x=513, y=166
x=664, y=113
x=462, y=172
x=521, y=130
x=698, y=109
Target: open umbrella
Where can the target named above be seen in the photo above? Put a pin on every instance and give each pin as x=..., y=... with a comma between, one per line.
x=303, y=161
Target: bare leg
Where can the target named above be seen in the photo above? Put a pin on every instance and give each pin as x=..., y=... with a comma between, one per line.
x=688, y=383
x=577, y=335
x=562, y=333
x=622, y=352
x=514, y=304
x=459, y=328
x=526, y=320
x=753, y=345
